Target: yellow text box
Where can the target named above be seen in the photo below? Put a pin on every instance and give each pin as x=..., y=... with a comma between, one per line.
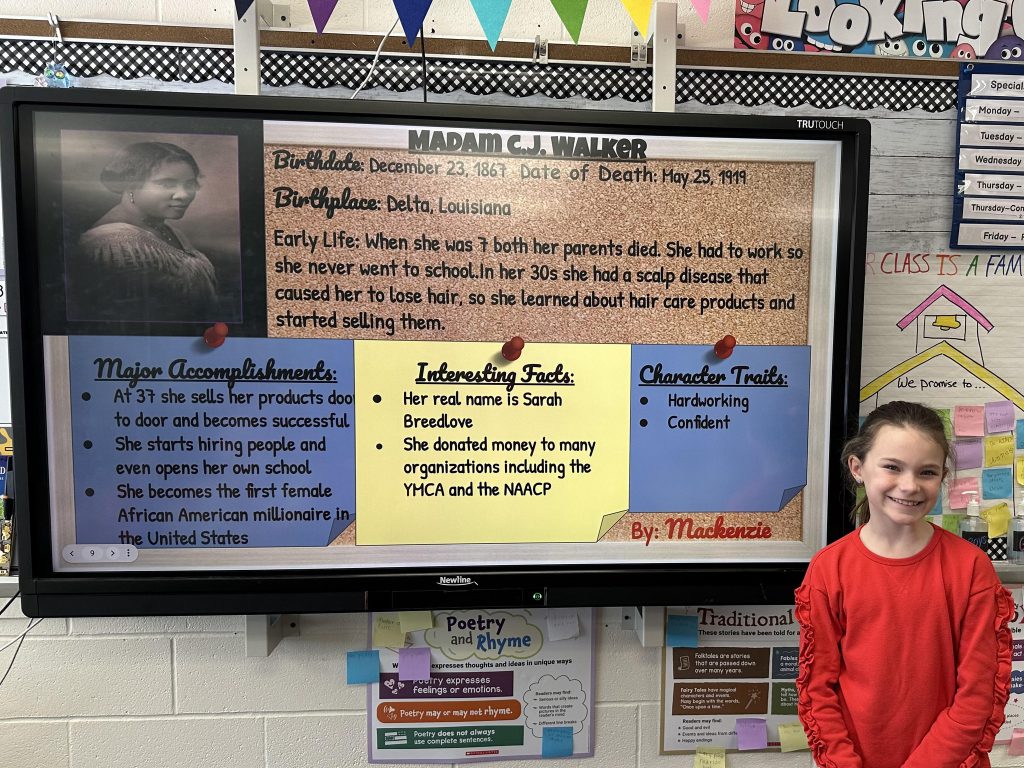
x=454, y=444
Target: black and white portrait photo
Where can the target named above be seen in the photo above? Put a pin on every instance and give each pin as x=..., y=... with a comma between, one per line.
x=150, y=226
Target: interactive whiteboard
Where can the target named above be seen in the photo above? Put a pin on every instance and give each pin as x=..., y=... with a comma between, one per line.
x=406, y=348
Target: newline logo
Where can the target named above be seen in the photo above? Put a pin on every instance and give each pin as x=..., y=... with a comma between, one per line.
x=455, y=581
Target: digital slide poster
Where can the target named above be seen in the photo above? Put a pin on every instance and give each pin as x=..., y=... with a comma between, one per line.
x=438, y=348
x=738, y=669
x=496, y=685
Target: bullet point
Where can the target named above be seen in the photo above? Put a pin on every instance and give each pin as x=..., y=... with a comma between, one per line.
x=643, y=401
x=643, y=422
x=87, y=444
x=377, y=398
x=86, y=396
x=89, y=491
x=379, y=446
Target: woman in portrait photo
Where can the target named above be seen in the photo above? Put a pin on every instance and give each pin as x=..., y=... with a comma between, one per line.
x=133, y=263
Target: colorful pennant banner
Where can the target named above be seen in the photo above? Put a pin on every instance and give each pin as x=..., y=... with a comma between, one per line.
x=571, y=13
x=412, y=13
x=492, y=15
x=640, y=12
x=321, y=10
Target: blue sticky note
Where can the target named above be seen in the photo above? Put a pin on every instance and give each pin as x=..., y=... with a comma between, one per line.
x=997, y=483
x=556, y=742
x=1020, y=434
x=413, y=663
x=937, y=509
x=681, y=631
x=362, y=667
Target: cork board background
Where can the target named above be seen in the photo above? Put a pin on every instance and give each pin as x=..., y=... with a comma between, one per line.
x=605, y=240
x=773, y=208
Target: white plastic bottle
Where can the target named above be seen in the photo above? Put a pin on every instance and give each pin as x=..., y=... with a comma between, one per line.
x=1015, y=537
x=972, y=527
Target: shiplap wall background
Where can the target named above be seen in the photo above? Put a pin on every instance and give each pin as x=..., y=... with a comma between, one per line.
x=179, y=691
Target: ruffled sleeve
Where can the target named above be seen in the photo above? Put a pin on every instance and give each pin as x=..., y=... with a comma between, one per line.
x=818, y=680
x=969, y=726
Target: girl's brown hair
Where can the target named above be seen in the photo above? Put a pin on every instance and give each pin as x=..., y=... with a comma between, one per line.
x=898, y=413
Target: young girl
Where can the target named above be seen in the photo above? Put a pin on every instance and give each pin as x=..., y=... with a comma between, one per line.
x=904, y=646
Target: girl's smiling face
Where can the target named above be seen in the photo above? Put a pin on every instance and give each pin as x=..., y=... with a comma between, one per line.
x=902, y=475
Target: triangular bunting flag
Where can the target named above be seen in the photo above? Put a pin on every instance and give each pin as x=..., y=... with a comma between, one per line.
x=640, y=12
x=701, y=7
x=321, y=10
x=492, y=15
x=242, y=6
x=412, y=13
x=571, y=13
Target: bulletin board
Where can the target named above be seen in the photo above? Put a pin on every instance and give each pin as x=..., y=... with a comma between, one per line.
x=346, y=398
x=941, y=329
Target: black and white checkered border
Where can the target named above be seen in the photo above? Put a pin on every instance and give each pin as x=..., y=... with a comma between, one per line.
x=594, y=82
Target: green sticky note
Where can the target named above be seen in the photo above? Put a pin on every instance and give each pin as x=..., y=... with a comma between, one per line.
x=411, y=621
x=792, y=737
x=951, y=523
x=947, y=422
x=387, y=631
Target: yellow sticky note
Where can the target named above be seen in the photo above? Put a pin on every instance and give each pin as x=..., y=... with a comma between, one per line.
x=413, y=620
x=387, y=631
x=709, y=757
x=998, y=450
x=998, y=518
x=792, y=737
x=1020, y=470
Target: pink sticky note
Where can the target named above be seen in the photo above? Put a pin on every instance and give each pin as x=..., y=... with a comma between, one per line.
x=701, y=7
x=969, y=421
x=968, y=454
x=957, y=499
x=413, y=663
x=752, y=733
x=999, y=416
x=1016, y=742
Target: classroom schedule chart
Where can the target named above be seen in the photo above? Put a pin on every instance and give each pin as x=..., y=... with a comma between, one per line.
x=988, y=203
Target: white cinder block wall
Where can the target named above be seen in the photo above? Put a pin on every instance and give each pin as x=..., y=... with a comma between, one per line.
x=179, y=692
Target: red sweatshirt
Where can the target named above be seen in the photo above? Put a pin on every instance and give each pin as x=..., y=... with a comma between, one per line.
x=904, y=663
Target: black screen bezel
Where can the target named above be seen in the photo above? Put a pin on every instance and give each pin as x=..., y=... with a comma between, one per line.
x=46, y=593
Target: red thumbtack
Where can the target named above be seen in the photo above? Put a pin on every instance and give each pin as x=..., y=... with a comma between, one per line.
x=512, y=348
x=214, y=335
x=724, y=347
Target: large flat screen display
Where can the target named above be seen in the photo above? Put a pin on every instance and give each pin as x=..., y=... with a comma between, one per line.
x=279, y=355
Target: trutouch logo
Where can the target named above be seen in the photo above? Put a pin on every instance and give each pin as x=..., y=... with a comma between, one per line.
x=455, y=581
